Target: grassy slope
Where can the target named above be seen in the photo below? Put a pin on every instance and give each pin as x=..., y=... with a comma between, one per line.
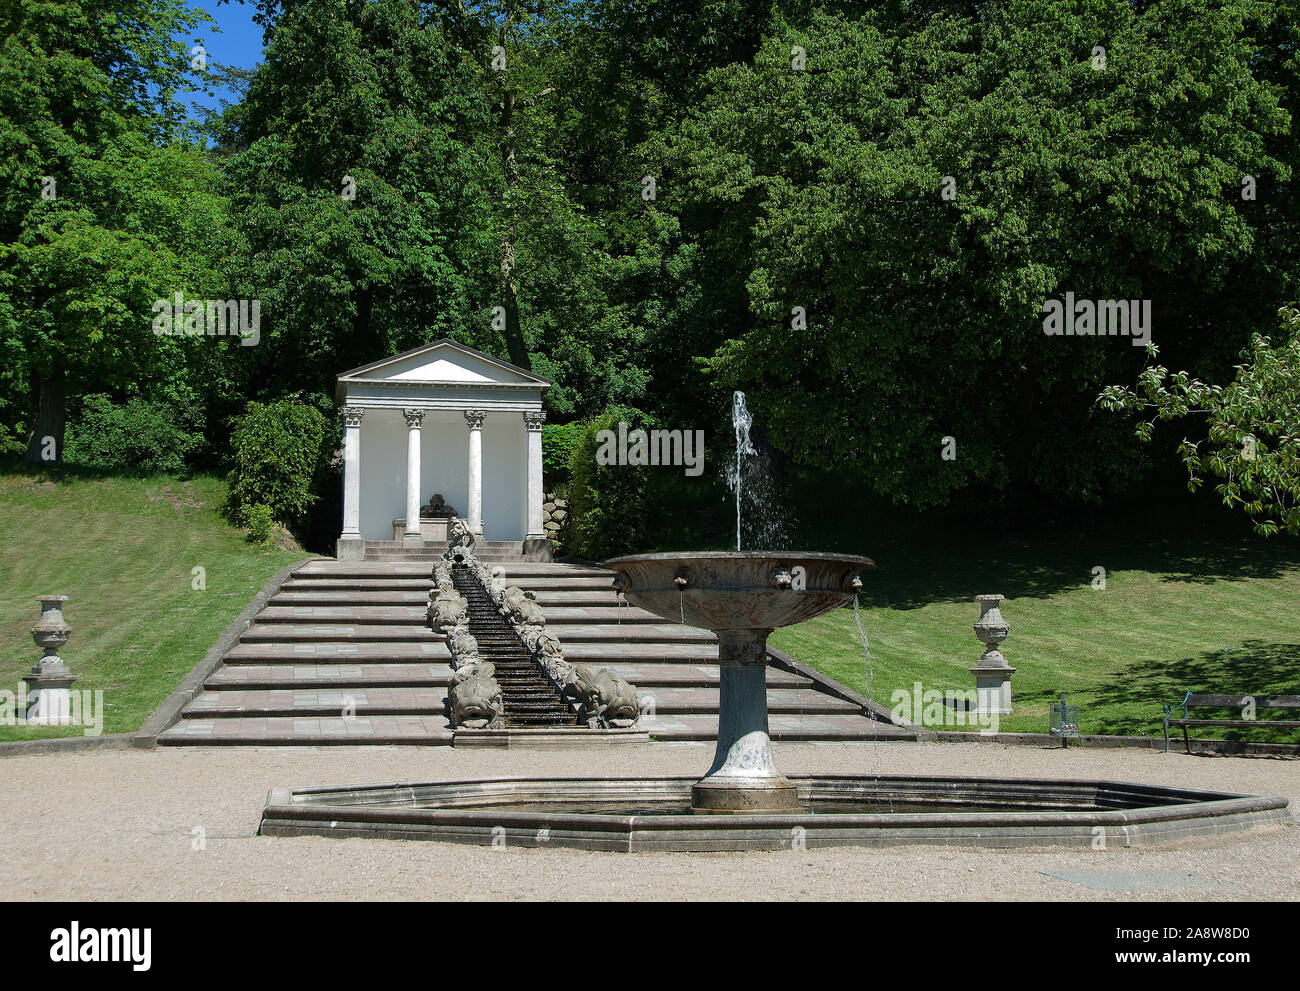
x=123, y=550
x=1214, y=614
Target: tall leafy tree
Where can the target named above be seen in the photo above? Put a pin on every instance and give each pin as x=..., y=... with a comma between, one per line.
x=362, y=189
x=105, y=205
x=815, y=192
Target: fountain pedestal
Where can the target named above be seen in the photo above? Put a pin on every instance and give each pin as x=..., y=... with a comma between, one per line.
x=743, y=777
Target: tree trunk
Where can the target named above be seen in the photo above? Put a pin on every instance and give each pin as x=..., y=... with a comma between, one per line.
x=509, y=284
x=47, y=419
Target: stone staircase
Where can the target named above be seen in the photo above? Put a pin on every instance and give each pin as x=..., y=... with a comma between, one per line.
x=342, y=654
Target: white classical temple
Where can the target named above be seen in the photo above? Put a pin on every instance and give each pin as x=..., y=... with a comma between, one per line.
x=443, y=419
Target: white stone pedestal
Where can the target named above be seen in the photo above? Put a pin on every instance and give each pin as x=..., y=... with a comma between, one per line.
x=48, y=706
x=993, y=689
x=429, y=529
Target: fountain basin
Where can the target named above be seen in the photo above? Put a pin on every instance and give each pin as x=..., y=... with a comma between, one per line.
x=652, y=814
x=739, y=590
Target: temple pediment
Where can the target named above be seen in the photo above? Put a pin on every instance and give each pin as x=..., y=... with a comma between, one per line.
x=444, y=364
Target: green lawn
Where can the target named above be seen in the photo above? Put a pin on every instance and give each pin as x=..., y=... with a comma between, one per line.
x=1219, y=612
x=1212, y=614
x=124, y=551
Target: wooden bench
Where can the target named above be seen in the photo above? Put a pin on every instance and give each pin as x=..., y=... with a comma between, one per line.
x=1191, y=701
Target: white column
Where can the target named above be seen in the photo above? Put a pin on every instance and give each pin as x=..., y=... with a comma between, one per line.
x=475, y=418
x=533, y=421
x=414, y=417
x=352, y=470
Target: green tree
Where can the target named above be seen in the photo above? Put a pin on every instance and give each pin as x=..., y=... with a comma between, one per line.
x=362, y=190
x=277, y=450
x=817, y=194
x=105, y=204
x=1252, y=426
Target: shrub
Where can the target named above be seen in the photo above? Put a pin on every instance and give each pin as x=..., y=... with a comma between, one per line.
x=258, y=519
x=609, y=503
x=558, y=443
x=276, y=448
x=139, y=436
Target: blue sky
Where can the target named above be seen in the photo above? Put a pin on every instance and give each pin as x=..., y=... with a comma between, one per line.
x=238, y=44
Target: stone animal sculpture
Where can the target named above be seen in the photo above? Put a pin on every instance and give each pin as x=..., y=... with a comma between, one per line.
x=606, y=699
x=475, y=702
x=447, y=608
x=478, y=669
x=442, y=574
x=521, y=607
x=550, y=655
x=463, y=646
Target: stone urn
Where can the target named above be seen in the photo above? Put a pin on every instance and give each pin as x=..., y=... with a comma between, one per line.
x=992, y=673
x=49, y=684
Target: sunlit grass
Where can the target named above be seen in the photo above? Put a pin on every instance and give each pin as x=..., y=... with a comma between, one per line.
x=1215, y=615
x=123, y=550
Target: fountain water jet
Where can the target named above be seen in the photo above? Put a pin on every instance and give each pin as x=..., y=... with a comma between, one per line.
x=741, y=421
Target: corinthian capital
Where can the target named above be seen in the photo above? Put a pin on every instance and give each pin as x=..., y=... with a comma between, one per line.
x=475, y=418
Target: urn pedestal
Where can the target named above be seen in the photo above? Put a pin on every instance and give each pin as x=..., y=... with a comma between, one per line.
x=992, y=673
x=49, y=686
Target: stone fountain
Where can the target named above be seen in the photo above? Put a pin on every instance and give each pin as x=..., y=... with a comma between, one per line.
x=742, y=596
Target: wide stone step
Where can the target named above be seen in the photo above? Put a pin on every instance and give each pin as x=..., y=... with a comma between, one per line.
x=569, y=633
x=579, y=597
x=251, y=677
x=553, y=604
x=342, y=586
x=320, y=632
x=292, y=651
x=370, y=615
x=795, y=701
x=265, y=677
x=557, y=615
x=406, y=556
x=414, y=569
x=430, y=700
x=434, y=649
x=550, y=585
x=413, y=730
x=318, y=702
x=417, y=598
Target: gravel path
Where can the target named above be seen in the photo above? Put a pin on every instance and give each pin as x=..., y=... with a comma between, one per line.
x=119, y=825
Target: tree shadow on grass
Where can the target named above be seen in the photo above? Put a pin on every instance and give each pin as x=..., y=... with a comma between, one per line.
x=1254, y=668
x=1045, y=565
x=66, y=473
